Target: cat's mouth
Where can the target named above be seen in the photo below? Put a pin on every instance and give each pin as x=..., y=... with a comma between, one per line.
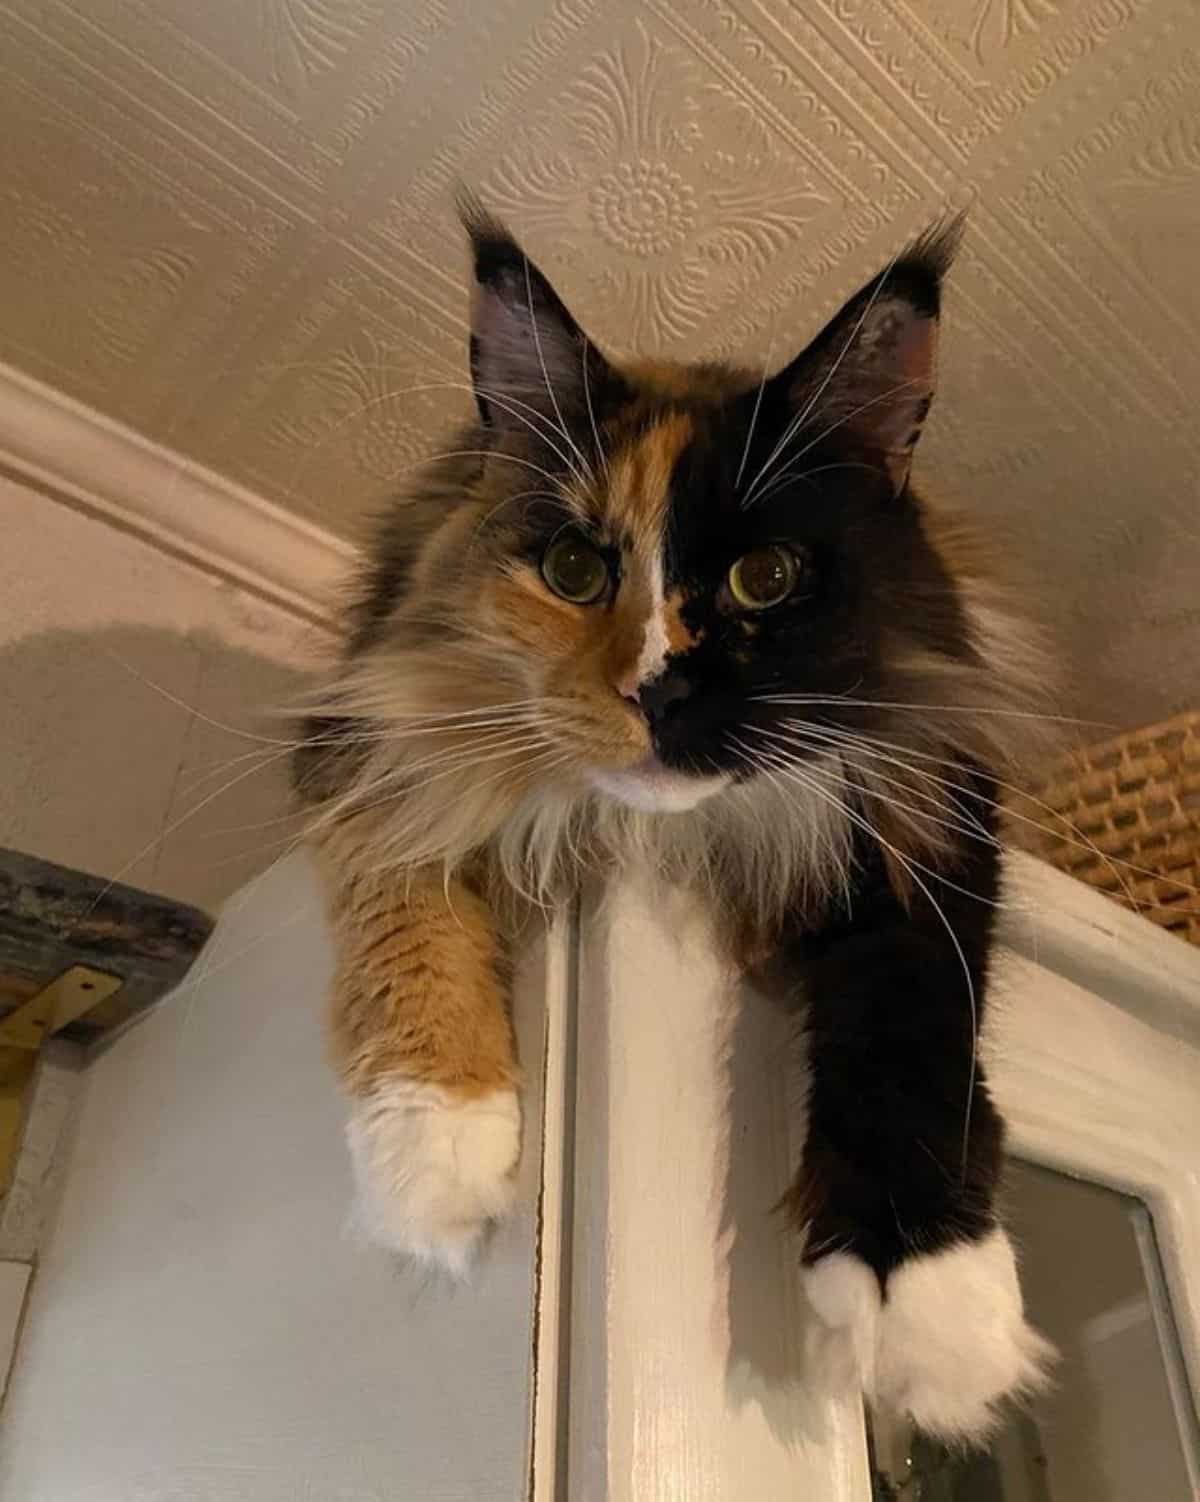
x=653, y=787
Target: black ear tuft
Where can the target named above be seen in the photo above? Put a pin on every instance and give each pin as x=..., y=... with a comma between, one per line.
x=920, y=270
x=528, y=355
x=494, y=252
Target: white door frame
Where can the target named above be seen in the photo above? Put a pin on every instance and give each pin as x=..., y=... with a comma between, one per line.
x=670, y=1332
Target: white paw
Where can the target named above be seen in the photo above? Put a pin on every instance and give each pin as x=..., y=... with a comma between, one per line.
x=953, y=1341
x=434, y=1169
x=947, y=1344
x=842, y=1341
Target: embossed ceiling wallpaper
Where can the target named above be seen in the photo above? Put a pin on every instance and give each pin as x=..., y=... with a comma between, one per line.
x=227, y=223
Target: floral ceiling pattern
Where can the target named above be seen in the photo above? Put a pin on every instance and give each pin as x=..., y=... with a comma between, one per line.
x=229, y=226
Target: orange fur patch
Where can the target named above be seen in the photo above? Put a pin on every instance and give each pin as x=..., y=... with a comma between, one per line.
x=667, y=378
x=419, y=990
x=522, y=606
x=680, y=636
x=639, y=488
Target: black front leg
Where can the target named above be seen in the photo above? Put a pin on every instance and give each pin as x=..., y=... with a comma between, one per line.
x=904, y=1144
x=904, y=1256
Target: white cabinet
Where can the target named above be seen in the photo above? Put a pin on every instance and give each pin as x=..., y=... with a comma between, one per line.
x=205, y=1326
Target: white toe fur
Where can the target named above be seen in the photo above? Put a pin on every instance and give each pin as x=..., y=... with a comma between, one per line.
x=953, y=1340
x=947, y=1344
x=434, y=1169
x=843, y=1339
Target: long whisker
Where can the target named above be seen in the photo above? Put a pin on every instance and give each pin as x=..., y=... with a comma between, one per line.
x=205, y=966
x=503, y=399
x=757, y=763
x=506, y=458
x=537, y=339
x=846, y=417
x=797, y=423
x=264, y=760
x=190, y=709
x=784, y=765
x=506, y=401
x=830, y=700
x=153, y=844
x=762, y=386
x=553, y=755
x=509, y=500
x=508, y=737
x=1077, y=838
x=394, y=732
x=777, y=481
x=587, y=397
x=939, y=876
x=964, y=824
x=336, y=708
x=1082, y=842
x=846, y=741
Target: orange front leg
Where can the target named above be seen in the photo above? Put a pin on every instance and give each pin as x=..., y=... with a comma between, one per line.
x=423, y=1043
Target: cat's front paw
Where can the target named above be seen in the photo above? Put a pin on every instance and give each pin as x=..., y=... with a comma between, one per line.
x=434, y=1168
x=947, y=1342
x=954, y=1341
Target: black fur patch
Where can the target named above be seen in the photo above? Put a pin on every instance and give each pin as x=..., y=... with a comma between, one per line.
x=893, y=1000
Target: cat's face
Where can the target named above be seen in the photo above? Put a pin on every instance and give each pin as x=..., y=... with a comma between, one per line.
x=668, y=561
x=636, y=591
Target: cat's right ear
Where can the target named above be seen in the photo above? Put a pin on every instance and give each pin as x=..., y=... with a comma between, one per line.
x=526, y=349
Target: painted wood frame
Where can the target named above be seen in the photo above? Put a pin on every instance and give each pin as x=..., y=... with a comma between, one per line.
x=671, y=1329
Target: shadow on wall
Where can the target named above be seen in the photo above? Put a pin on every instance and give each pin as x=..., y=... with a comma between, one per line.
x=767, y=1315
x=146, y=756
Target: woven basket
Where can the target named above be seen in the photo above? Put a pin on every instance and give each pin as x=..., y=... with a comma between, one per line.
x=1124, y=816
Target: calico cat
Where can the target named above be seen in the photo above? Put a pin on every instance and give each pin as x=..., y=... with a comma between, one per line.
x=697, y=617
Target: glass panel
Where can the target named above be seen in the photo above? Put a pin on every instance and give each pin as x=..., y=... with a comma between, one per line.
x=1119, y=1425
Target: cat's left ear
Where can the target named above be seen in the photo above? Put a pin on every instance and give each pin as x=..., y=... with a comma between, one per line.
x=870, y=374
x=526, y=349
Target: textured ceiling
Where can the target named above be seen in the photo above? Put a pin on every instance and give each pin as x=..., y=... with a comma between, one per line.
x=227, y=223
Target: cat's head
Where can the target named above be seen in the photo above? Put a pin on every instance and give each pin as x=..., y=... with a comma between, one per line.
x=650, y=585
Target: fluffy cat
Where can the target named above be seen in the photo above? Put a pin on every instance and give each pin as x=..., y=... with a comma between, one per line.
x=699, y=617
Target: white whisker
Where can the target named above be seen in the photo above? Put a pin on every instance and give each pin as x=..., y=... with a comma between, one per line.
x=762, y=386
x=797, y=422
x=1077, y=838
x=965, y=825
x=587, y=397
x=586, y=471
x=846, y=417
x=834, y=700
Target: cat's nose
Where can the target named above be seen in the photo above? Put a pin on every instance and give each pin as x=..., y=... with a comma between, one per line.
x=659, y=695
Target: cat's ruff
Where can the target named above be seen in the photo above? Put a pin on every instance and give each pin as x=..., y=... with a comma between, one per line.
x=947, y=1344
x=434, y=1170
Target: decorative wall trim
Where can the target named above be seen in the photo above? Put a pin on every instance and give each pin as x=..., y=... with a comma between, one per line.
x=84, y=459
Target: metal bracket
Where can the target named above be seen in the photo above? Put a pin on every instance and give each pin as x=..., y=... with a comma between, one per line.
x=22, y=1033
x=70, y=995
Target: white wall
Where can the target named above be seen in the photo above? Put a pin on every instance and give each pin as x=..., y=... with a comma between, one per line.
x=202, y=1327
x=100, y=768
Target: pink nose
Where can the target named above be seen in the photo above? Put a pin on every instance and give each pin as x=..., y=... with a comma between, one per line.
x=627, y=685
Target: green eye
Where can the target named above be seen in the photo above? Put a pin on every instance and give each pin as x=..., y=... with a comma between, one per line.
x=574, y=569
x=764, y=577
